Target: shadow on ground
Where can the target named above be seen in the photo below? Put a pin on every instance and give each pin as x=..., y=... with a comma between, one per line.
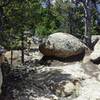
x=47, y=60
x=20, y=84
x=97, y=61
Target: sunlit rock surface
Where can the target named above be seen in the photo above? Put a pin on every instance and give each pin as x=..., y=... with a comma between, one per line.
x=95, y=55
x=61, y=45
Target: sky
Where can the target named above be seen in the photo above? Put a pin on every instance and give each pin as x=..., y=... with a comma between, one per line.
x=98, y=7
x=45, y=4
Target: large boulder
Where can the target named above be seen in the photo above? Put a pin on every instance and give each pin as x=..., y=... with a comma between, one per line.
x=61, y=45
x=95, y=55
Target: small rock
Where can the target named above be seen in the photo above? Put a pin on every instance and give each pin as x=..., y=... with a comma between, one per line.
x=31, y=98
x=69, y=88
x=54, y=97
x=64, y=89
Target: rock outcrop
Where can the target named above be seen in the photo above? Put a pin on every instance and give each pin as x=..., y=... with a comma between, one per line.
x=95, y=55
x=62, y=45
x=16, y=56
x=2, y=60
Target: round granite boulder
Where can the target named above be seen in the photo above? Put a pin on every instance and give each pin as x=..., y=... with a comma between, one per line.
x=61, y=45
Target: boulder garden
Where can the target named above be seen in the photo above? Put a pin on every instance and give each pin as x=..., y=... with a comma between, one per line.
x=62, y=45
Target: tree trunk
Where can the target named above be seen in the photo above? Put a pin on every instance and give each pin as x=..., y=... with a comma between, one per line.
x=87, y=34
x=11, y=57
x=70, y=23
x=22, y=57
x=1, y=15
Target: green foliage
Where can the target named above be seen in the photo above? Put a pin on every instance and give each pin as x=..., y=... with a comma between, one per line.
x=30, y=15
x=20, y=15
x=44, y=30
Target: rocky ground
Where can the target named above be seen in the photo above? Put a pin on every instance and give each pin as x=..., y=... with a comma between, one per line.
x=54, y=80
